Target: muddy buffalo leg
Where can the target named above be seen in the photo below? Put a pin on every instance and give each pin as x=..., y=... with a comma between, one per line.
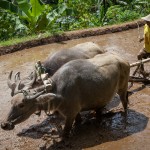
x=68, y=126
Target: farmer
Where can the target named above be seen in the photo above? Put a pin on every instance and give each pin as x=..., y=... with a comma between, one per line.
x=145, y=51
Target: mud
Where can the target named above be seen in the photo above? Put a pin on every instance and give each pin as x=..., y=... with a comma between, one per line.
x=44, y=132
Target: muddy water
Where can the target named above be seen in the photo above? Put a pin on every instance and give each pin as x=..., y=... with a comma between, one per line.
x=43, y=132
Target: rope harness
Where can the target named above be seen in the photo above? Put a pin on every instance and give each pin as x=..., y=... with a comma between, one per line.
x=47, y=82
x=41, y=73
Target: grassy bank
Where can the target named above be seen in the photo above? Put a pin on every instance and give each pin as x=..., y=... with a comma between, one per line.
x=16, y=40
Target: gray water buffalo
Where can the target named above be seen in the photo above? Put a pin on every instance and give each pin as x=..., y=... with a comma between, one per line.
x=77, y=86
x=53, y=63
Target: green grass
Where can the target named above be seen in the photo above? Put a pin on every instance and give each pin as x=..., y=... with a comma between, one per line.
x=17, y=40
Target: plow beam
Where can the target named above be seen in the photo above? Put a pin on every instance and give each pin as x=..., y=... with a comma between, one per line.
x=139, y=62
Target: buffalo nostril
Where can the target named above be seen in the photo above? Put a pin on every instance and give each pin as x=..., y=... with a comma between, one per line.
x=7, y=126
x=12, y=94
x=3, y=125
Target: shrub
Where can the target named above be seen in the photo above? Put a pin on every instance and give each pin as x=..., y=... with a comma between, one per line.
x=117, y=14
x=10, y=25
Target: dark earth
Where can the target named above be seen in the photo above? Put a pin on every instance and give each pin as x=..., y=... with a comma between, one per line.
x=43, y=133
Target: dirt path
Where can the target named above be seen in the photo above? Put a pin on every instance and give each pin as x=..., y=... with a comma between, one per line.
x=42, y=132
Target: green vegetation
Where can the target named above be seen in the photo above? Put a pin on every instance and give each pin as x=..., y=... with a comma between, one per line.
x=23, y=18
x=16, y=40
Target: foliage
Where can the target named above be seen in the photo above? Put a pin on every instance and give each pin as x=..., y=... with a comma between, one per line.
x=131, y=4
x=116, y=14
x=10, y=25
x=127, y=15
x=8, y=5
x=36, y=16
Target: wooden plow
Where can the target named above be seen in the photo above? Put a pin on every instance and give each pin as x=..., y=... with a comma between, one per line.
x=140, y=75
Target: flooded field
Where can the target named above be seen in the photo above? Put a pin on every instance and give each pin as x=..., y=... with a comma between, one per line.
x=42, y=133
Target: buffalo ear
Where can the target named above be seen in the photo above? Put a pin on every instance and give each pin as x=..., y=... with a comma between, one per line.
x=44, y=98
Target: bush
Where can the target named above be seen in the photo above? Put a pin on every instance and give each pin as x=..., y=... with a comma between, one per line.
x=127, y=15
x=10, y=25
x=117, y=14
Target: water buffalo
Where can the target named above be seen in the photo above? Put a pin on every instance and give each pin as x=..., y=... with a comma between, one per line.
x=53, y=63
x=77, y=86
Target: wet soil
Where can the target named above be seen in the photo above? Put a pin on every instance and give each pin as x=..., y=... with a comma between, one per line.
x=44, y=132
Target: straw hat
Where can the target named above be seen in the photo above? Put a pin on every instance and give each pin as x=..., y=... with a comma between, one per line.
x=146, y=18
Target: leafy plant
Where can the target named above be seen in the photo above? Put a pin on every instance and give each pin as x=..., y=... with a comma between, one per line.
x=9, y=5
x=113, y=13
x=36, y=15
x=139, y=5
x=117, y=14
x=10, y=25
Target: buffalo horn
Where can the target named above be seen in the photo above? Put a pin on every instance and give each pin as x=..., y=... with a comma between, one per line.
x=34, y=76
x=18, y=85
x=17, y=89
x=17, y=77
x=9, y=82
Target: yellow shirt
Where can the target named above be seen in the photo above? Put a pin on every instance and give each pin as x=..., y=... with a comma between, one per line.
x=147, y=38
